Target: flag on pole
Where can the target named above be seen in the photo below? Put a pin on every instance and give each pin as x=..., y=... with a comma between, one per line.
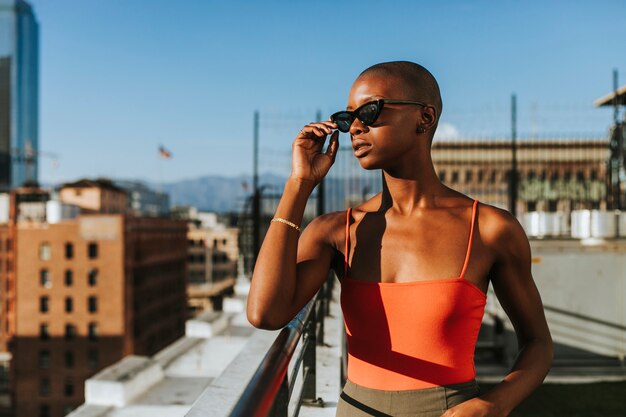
x=164, y=153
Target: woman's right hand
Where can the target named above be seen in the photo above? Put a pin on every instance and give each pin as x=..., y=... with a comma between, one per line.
x=308, y=162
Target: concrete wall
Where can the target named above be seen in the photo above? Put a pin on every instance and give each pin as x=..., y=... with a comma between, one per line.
x=583, y=289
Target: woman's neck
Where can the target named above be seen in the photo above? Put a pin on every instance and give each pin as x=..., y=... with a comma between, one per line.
x=411, y=188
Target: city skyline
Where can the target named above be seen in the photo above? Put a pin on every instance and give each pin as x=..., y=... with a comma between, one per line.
x=190, y=78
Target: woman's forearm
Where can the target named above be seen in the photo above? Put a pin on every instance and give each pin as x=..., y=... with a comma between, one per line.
x=528, y=372
x=274, y=278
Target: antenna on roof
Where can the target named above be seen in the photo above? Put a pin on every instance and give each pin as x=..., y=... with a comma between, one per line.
x=615, y=101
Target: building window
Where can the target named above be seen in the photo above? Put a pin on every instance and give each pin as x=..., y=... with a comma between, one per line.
x=92, y=359
x=492, y=176
x=468, y=176
x=69, y=251
x=69, y=359
x=455, y=176
x=44, y=410
x=70, y=332
x=92, y=250
x=442, y=176
x=92, y=331
x=554, y=176
x=44, y=278
x=44, y=387
x=44, y=305
x=92, y=277
x=69, y=278
x=44, y=333
x=44, y=359
x=215, y=243
x=69, y=304
x=481, y=175
x=594, y=175
x=44, y=251
x=92, y=304
x=68, y=388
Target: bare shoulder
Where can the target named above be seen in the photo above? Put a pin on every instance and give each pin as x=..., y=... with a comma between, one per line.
x=327, y=228
x=501, y=231
x=372, y=205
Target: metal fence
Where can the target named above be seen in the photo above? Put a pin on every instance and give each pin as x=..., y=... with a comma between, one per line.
x=557, y=174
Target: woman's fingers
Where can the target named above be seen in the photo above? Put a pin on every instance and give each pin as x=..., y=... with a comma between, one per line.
x=317, y=129
x=309, y=161
x=326, y=123
x=331, y=151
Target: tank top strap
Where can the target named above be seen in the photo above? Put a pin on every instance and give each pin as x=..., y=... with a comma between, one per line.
x=469, y=243
x=346, y=251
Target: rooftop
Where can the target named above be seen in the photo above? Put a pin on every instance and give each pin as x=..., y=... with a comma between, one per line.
x=99, y=183
x=610, y=99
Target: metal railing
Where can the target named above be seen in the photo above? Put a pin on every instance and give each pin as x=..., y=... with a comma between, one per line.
x=270, y=390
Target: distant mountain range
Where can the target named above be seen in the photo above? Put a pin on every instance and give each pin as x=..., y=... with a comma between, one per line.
x=216, y=193
x=229, y=194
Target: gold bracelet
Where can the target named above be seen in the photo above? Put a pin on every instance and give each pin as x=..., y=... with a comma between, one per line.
x=287, y=222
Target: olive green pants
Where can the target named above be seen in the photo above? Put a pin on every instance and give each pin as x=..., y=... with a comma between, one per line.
x=358, y=401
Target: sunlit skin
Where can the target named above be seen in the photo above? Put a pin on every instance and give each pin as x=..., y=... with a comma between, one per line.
x=422, y=220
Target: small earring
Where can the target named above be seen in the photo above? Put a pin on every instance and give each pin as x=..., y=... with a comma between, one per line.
x=421, y=129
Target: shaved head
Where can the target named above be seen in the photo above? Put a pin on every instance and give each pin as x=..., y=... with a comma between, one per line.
x=418, y=82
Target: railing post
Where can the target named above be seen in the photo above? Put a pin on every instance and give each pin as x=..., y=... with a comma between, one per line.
x=281, y=401
x=321, y=315
x=309, y=357
x=343, y=361
x=329, y=292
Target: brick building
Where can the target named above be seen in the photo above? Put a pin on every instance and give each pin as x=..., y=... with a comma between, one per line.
x=553, y=174
x=84, y=292
x=95, y=196
x=213, y=252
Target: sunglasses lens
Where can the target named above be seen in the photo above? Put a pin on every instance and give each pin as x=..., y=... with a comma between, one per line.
x=368, y=113
x=343, y=119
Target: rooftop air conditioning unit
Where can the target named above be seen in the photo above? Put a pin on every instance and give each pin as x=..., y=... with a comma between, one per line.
x=594, y=224
x=542, y=224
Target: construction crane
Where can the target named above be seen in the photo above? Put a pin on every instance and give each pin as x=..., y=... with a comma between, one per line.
x=28, y=156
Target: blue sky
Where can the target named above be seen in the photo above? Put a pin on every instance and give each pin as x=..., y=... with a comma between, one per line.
x=120, y=77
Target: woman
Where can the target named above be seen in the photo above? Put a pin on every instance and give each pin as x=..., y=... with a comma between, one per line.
x=411, y=328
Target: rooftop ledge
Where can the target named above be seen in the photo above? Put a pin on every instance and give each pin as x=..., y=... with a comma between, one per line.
x=168, y=383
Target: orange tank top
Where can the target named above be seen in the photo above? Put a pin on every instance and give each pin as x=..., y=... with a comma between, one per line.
x=411, y=335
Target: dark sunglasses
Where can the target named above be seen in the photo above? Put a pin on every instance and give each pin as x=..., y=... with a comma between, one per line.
x=366, y=113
